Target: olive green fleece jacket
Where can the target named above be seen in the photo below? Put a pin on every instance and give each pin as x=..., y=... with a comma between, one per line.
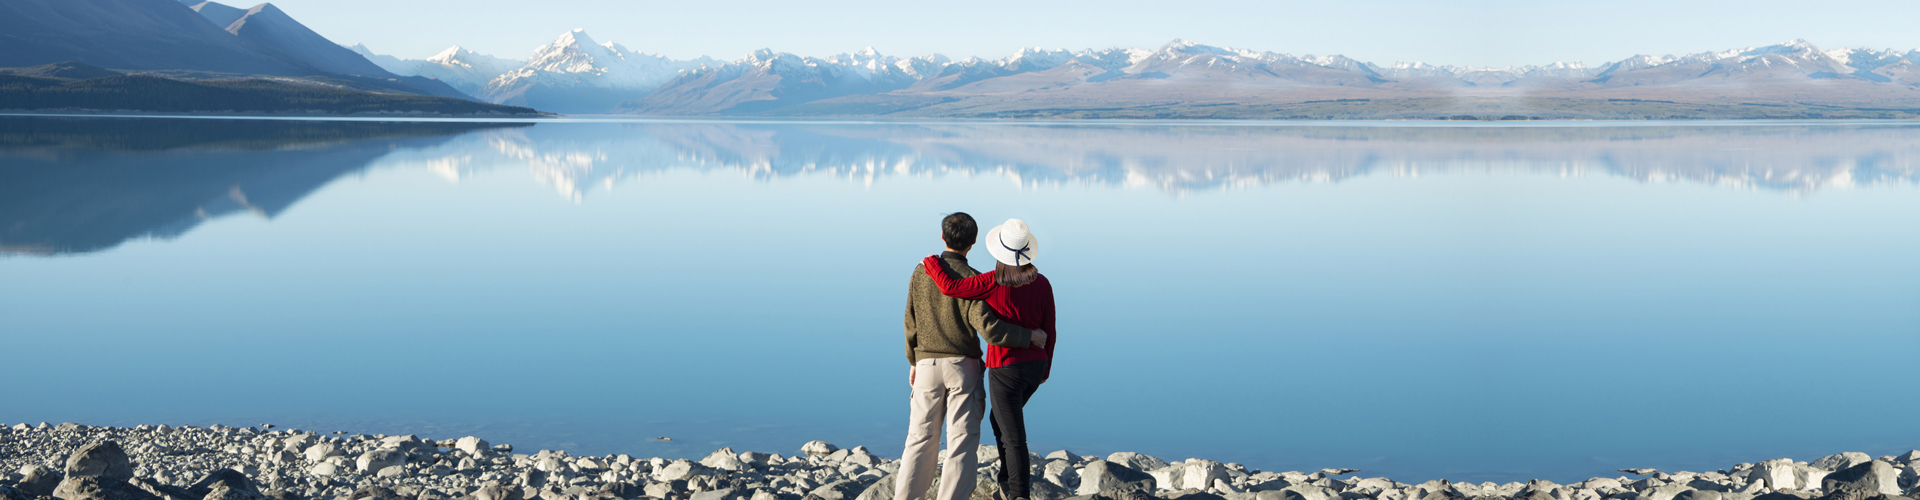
x=939, y=326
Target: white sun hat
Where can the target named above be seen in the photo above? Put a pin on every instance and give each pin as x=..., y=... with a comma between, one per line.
x=1012, y=243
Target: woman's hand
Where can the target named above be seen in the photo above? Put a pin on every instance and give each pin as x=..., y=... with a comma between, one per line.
x=910, y=372
x=1040, y=339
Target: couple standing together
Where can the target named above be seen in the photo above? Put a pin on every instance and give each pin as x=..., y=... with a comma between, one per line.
x=950, y=307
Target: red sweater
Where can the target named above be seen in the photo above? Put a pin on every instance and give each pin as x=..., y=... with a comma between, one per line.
x=1029, y=306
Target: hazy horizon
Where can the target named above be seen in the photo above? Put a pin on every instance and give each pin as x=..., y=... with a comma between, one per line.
x=1488, y=33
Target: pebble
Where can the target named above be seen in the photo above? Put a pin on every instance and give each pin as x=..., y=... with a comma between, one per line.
x=72, y=461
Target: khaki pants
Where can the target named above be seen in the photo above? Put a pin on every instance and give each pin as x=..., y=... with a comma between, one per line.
x=949, y=388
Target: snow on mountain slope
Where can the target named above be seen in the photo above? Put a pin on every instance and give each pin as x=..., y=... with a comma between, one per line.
x=460, y=68
x=765, y=79
x=576, y=74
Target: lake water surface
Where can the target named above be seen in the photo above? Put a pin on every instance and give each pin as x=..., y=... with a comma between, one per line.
x=1417, y=300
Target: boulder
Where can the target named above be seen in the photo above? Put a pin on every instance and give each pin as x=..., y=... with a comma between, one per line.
x=1200, y=474
x=12, y=493
x=680, y=470
x=380, y=459
x=621, y=489
x=1839, y=461
x=818, y=448
x=39, y=480
x=391, y=471
x=845, y=489
x=226, y=491
x=1103, y=475
x=1130, y=491
x=724, y=459
x=472, y=445
x=1664, y=491
x=1169, y=477
x=104, y=458
x=99, y=488
x=1062, y=473
x=1698, y=495
x=1063, y=455
x=321, y=450
x=375, y=493
x=324, y=469
x=493, y=490
x=228, y=478
x=162, y=490
x=1865, y=479
x=722, y=494
x=1136, y=461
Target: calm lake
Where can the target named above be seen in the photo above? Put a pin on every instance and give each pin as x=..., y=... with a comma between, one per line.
x=1417, y=300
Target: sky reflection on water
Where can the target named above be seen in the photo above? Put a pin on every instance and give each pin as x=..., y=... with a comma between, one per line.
x=1477, y=303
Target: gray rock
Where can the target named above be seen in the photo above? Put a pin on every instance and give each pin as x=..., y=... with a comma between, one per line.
x=495, y=491
x=322, y=450
x=380, y=459
x=40, y=480
x=818, y=448
x=845, y=489
x=1102, y=475
x=724, y=459
x=680, y=470
x=224, y=491
x=1842, y=460
x=1194, y=495
x=1200, y=474
x=1698, y=495
x=722, y=494
x=99, y=488
x=472, y=445
x=324, y=469
x=1062, y=473
x=659, y=490
x=228, y=478
x=1872, y=477
x=67, y=427
x=987, y=454
x=1136, y=461
x=11, y=493
x=104, y=459
x=1169, y=477
x=375, y=493
x=1131, y=491
x=391, y=471
x=1664, y=491
x=162, y=490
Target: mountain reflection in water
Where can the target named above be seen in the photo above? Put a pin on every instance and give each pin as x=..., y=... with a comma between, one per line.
x=87, y=184
x=1180, y=157
x=71, y=185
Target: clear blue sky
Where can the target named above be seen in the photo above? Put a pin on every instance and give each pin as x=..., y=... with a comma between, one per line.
x=1476, y=32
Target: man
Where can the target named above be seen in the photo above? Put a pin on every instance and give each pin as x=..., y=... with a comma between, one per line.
x=943, y=345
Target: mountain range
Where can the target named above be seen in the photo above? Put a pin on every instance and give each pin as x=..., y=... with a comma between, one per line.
x=1189, y=79
x=192, y=39
x=196, y=39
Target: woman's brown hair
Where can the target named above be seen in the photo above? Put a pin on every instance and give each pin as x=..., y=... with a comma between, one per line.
x=1013, y=276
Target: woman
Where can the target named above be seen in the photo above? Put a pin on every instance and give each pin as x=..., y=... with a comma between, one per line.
x=1020, y=295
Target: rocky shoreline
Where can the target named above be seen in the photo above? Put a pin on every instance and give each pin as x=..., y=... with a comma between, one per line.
x=157, y=462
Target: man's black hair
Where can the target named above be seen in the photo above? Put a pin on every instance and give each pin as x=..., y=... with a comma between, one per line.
x=959, y=230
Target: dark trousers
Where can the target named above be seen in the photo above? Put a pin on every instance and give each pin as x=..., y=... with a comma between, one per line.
x=1011, y=387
